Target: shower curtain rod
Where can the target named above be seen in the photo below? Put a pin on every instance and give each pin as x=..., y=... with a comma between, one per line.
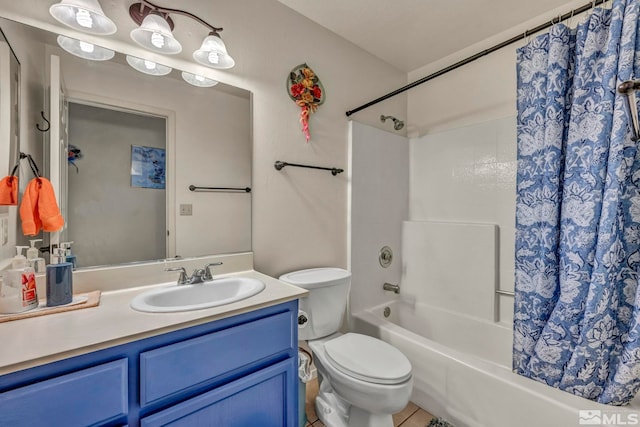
x=485, y=52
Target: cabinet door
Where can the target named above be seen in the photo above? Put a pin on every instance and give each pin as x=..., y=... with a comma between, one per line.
x=88, y=397
x=267, y=398
x=176, y=368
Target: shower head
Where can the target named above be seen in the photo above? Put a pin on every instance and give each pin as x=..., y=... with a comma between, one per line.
x=397, y=124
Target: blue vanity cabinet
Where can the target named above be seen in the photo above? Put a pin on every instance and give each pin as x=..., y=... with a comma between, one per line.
x=235, y=372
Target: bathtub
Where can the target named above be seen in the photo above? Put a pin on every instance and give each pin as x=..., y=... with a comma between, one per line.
x=462, y=372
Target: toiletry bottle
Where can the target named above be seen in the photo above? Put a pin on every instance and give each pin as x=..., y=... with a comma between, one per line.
x=69, y=257
x=33, y=257
x=18, y=292
x=59, y=279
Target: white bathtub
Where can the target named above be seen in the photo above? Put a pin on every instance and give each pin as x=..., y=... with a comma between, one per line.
x=462, y=372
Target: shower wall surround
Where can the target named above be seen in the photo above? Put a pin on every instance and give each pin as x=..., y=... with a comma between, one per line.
x=378, y=204
x=467, y=175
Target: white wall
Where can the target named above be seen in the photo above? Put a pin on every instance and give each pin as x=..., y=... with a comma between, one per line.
x=379, y=203
x=299, y=216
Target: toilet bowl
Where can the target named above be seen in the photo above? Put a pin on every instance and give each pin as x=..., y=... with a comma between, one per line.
x=362, y=380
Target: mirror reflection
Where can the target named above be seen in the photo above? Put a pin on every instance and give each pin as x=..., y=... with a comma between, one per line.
x=122, y=150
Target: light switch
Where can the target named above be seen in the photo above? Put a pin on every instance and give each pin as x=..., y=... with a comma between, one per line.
x=186, y=210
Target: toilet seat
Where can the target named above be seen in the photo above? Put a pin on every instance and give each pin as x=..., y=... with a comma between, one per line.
x=367, y=359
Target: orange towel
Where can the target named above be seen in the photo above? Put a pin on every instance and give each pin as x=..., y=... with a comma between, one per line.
x=48, y=208
x=9, y=191
x=39, y=209
x=31, y=224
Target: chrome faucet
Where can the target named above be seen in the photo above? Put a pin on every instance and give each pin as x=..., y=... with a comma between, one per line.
x=393, y=288
x=207, y=270
x=199, y=275
x=183, y=279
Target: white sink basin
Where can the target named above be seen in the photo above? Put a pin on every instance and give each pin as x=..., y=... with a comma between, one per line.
x=195, y=297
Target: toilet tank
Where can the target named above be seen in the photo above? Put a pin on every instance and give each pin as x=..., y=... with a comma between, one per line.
x=323, y=309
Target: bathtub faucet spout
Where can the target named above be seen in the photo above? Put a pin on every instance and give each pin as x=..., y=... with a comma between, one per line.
x=393, y=288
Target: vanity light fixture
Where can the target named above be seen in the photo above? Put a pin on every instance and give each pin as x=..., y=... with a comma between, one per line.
x=198, y=80
x=83, y=15
x=148, y=67
x=155, y=22
x=84, y=49
x=155, y=34
x=213, y=52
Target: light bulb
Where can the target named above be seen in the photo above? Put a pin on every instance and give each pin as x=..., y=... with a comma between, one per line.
x=200, y=78
x=149, y=65
x=83, y=18
x=86, y=47
x=157, y=40
x=214, y=58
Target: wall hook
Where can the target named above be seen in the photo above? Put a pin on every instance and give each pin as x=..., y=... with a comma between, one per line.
x=45, y=119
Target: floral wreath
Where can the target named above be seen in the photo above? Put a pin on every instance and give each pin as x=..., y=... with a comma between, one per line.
x=306, y=91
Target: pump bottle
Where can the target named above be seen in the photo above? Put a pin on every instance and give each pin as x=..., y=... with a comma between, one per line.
x=59, y=279
x=33, y=259
x=18, y=292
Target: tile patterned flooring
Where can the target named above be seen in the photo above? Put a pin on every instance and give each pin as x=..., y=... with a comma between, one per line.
x=411, y=416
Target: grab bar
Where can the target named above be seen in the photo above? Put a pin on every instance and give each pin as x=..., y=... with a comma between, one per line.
x=628, y=89
x=507, y=293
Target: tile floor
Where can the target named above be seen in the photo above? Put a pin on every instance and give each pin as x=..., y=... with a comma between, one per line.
x=411, y=416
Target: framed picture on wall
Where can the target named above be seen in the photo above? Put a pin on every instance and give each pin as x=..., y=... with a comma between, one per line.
x=148, y=167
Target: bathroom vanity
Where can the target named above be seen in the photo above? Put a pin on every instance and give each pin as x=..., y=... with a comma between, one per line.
x=234, y=365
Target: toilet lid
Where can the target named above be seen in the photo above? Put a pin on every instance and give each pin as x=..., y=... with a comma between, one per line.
x=368, y=359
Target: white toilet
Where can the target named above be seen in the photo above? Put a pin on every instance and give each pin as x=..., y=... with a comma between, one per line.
x=363, y=380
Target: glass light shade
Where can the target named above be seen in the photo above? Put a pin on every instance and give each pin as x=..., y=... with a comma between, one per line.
x=83, y=15
x=197, y=80
x=148, y=67
x=84, y=49
x=213, y=53
x=155, y=34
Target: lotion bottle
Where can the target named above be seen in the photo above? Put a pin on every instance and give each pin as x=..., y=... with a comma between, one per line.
x=59, y=279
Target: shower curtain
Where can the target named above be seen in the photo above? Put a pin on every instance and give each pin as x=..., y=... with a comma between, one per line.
x=577, y=301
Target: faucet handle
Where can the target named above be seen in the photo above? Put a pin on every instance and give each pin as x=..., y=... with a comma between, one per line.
x=183, y=279
x=207, y=271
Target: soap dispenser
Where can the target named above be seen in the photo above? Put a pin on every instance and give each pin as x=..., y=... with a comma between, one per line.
x=33, y=257
x=59, y=279
x=18, y=292
x=68, y=256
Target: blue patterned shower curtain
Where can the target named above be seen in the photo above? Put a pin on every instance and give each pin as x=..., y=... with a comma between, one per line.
x=577, y=301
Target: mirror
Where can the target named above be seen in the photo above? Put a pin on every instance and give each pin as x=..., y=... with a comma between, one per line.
x=111, y=113
x=9, y=132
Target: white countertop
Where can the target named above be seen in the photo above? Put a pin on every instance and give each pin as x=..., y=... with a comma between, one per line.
x=39, y=340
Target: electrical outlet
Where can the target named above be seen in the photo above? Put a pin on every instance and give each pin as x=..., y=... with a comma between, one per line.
x=186, y=210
